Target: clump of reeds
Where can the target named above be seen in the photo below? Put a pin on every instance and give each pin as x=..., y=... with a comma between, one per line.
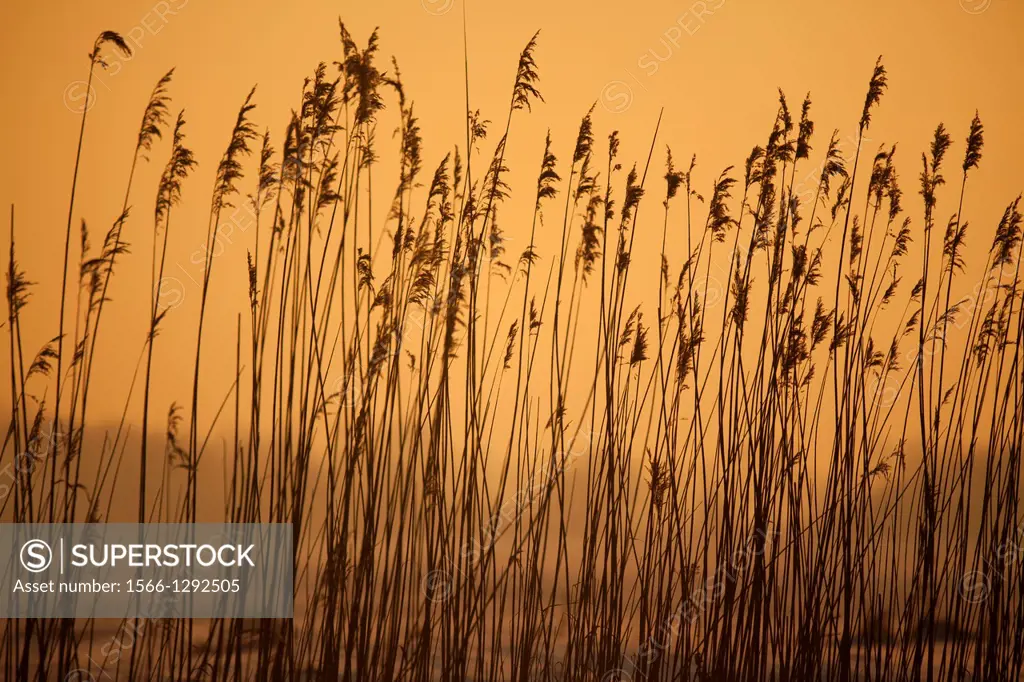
x=798, y=457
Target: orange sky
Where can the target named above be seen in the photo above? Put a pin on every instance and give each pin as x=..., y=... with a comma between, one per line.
x=714, y=66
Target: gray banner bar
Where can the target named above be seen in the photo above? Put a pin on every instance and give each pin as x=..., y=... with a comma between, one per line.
x=162, y=570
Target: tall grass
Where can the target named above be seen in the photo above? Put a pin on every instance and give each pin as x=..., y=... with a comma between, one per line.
x=805, y=467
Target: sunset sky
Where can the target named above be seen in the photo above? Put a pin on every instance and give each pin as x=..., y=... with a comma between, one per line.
x=714, y=66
